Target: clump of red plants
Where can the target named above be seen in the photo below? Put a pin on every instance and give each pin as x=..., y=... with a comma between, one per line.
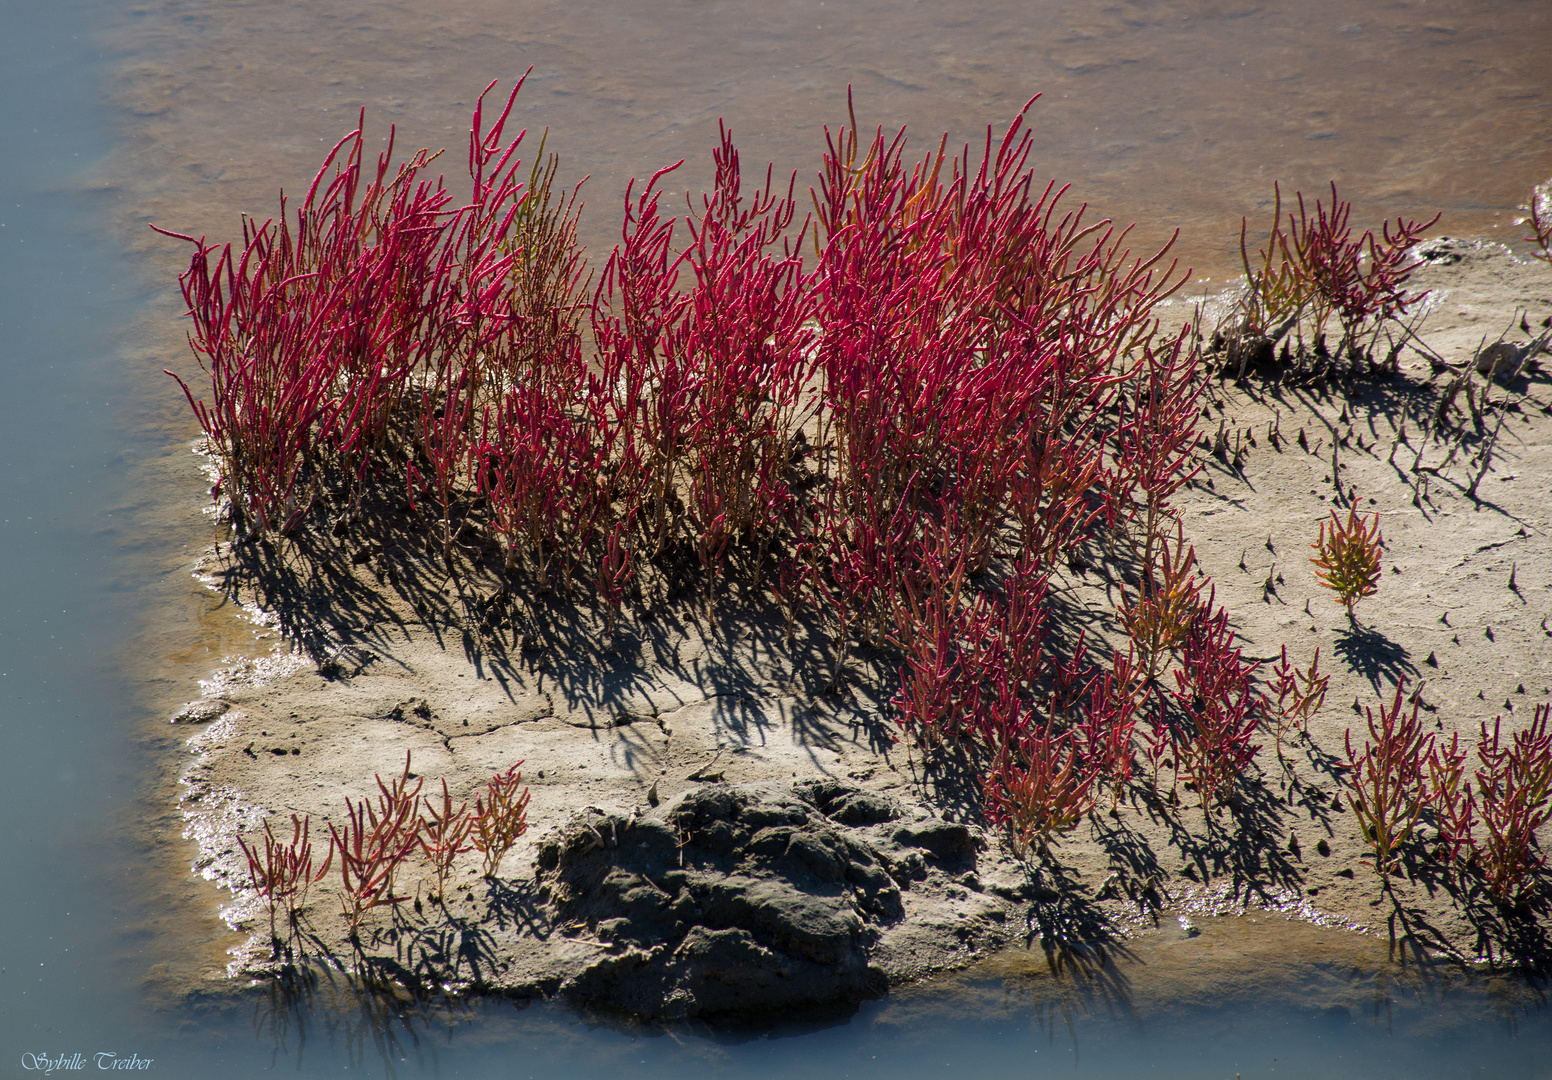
x=281, y=874
x=1313, y=271
x=1485, y=817
x=378, y=837
x=899, y=412
x=1488, y=818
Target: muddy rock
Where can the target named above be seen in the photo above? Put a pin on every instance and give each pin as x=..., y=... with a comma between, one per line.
x=730, y=899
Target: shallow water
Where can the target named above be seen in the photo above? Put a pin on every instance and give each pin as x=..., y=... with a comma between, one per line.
x=187, y=112
x=1265, y=1000
x=1164, y=112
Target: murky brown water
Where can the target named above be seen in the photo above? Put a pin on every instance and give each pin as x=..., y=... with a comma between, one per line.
x=1166, y=112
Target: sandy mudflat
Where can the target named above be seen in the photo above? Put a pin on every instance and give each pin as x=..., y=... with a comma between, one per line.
x=711, y=830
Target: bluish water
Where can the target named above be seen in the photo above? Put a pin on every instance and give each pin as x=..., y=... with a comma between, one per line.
x=71, y=763
x=1359, y=1022
x=94, y=510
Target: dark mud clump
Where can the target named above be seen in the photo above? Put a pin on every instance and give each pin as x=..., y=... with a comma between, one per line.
x=741, y=899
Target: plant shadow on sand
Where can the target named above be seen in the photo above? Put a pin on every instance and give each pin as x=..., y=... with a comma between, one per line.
x=1378, y=659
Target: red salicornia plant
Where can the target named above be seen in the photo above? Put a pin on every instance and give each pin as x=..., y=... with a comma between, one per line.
x=1387, y=787
x=909, y=432
x=282, y=873
x=1539, y=218
x=1450, y=798
x=615, y=572
x=1159, y=620
x=1300, y=694
x=1156, y=431
x=1221, y=712
x=1277, y=293
x=500, y=817
x=1317, y=267
x=313, y=333
x=444, y=835
x=368, y=857
x=1513, y=801
x=374, y=842
x=1038, y=789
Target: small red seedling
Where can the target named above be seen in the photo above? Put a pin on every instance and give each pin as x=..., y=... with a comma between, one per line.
x=282, y=873
x=1300, y=694
x=500, y=817
x=444, y=835
x=374, y=842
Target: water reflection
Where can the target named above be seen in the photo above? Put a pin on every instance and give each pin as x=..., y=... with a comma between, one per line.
x=1258, y=995
x=372, y=1020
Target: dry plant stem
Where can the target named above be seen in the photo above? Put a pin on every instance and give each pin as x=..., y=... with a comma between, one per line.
x=500, y=817
x=1490, y=440
x=1336, y=470
x=1386, y=787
